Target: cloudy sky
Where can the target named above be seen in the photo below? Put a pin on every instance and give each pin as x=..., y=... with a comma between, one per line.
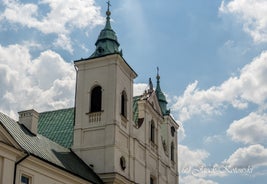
x=212, y=56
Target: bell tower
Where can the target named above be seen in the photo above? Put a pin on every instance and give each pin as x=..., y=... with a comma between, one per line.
x=103, y=108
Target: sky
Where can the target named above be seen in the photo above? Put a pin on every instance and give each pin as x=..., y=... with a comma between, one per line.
x=212, y=59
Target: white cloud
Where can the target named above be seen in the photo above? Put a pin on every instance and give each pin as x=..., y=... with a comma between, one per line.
x=195, y=180
x=190, y=158
x=249, y=87
x=64, y=16
x=254, y=156
x=139, y=88
x=64, y=42
x=181, y=131
x=213, y=139
x=252, y=14
x=32, y=45
x=46, y=82
x=20, y=13
x=251, y=129
x=192, y=167
x=47, y=68
x=194, y=101
x=243, y=161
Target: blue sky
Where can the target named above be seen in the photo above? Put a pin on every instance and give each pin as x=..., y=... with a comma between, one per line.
x=212, y=56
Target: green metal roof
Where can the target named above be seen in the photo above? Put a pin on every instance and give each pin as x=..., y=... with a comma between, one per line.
x=161, y=98
x=57, y=126
x=107, y=42
x=47, y=150
x=135, y=108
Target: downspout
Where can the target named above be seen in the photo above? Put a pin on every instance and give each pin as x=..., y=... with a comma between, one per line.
x=16, y=164
x=76, y=85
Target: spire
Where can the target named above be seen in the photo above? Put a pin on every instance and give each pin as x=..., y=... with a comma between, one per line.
x=161, y=97
x=107, y=42
x=108, y=13
x=150, y=84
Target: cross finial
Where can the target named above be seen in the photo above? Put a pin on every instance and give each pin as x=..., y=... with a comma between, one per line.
x=158, y=77
x=109, y=5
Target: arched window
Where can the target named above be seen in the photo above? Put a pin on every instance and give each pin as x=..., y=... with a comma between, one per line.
x=172, y=151
x=152, y=131
x=152, y=181
x=96, y=99
x=123, y=163
x=172, y=131
x=124, y=104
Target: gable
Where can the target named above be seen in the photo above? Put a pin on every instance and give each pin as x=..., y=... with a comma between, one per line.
x=6, y=138
x=153, y=100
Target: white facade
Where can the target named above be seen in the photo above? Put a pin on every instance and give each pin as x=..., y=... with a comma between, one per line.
x=108, y=140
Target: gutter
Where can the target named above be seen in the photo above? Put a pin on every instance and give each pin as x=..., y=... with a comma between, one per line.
x=16, y=164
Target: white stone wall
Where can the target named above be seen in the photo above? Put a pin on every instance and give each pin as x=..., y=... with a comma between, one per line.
x=102, y=143
x=43, y=173
x=36, y=170
x=150, y=158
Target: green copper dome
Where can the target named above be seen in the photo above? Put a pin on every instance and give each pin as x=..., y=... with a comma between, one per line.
x=107, y=42
x=161, y=98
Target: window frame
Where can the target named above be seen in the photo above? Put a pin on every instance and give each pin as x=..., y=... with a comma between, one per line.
x=96, y=99
x=152, y=180
x=123, y=104
x=29, y=179
x=152, y=131
x=173, y=131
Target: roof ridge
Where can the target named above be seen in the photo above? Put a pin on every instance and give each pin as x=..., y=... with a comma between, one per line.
x=57, y=110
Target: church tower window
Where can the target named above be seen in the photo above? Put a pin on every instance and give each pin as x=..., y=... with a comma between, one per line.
x=172, y=151
x=152, y=180
x=124, y=104
x=96, y=99
x=152, y=131
x=123, y=163
x=172, y=131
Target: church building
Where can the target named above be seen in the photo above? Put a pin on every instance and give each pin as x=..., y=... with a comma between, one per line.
x=108, y=137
